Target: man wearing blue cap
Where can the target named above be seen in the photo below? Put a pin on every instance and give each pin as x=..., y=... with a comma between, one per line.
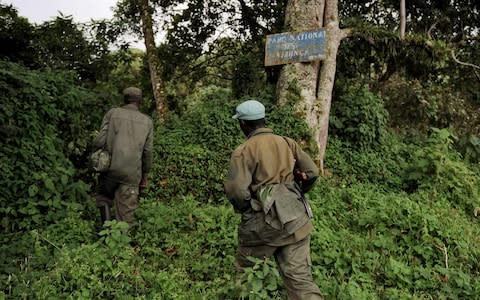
x=266, y=180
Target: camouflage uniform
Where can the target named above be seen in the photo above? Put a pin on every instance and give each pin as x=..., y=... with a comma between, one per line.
x=127, y=134
x=263, y=160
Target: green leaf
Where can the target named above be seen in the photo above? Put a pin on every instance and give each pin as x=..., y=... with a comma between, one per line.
x=257, y=285
x=49, y=184
x=32, y=190
x=64, y=179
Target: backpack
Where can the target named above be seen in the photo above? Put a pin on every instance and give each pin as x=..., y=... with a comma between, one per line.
x=100, y=160
x=281, y=203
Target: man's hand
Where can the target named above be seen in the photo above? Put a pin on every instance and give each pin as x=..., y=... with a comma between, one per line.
x=300, y=175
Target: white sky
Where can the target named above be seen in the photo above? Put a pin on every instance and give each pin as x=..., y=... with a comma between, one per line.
x=38, y=11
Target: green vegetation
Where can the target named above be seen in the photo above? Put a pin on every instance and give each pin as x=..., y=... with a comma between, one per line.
x=396, y=214
x=390, y=222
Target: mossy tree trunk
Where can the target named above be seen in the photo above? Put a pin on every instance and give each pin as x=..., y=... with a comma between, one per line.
x=313, y=80
x=153, y=62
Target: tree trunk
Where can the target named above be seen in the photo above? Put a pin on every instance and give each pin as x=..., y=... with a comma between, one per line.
x=153, y=62
x=314, y=79
x=403, y=19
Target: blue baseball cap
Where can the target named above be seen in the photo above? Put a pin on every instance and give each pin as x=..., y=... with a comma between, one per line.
x=250, y=110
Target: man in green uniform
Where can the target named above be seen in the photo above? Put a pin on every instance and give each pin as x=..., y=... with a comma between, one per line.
x=267, y=177
x=127, y=134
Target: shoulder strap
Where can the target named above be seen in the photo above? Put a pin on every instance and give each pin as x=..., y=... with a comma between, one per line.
x=289, y=147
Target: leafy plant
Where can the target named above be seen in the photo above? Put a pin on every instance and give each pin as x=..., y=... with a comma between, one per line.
x=262, y=281
x=358, y=116
x=115, y=237
x=438, y=167
x=469, y=147
x=42, y=127
x=372, y=244
x=421, y=105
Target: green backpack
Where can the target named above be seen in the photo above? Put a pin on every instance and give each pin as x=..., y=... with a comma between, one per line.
x=281, y=203
x=100, y=160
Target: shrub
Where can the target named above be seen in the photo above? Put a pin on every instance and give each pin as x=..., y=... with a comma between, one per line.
x=193, y=150
x=385, y=166
x=358, y=116
x=424, y=104
x=262, y=281
x=177, y=250
x=371, y=244
x=469, y=147
x=438, y=168
x=43, y=125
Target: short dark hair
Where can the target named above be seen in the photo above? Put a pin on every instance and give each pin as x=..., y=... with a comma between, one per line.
x=254, y=124
x=129, y=99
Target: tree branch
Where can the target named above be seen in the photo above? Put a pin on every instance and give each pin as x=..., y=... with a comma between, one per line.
x=429, y=32
x=463, y=63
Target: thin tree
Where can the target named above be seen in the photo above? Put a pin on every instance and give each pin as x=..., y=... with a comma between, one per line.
x=403, y=19
x=314, y=79
x=153, y=62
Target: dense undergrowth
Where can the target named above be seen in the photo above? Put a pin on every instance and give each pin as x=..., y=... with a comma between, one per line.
x=395, y=217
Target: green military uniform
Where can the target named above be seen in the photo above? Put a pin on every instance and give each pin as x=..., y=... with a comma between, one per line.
x=268, y=160
x=127, y=134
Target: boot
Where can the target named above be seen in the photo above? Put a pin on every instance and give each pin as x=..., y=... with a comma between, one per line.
x=105, y=213
x=104, y=216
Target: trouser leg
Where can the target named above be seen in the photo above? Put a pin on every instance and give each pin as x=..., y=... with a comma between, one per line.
x=295, y=267
x=105, y=213
x=104, y=194
x=126, y=202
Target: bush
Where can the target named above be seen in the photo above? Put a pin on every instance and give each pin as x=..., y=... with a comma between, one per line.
x=394, y=221
x=176, y=251
x=371, y=244
x=193, y=150
x=421, y=105
x=44, y=123
x=386, y=166
x=358, y=116
x=436, y=167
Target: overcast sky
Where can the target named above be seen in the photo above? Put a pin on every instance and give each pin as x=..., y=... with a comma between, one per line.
x=38, y=11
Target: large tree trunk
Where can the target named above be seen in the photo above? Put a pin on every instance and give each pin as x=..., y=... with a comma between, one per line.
x=153, y=62
x=314, y=79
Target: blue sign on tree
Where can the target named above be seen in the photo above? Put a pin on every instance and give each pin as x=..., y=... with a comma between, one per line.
x=291, y=47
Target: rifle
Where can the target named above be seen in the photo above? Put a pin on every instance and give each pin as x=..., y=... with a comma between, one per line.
x=300, y=176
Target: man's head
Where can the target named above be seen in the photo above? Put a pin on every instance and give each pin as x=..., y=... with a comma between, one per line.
x=251, y=115
x=132, y=95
